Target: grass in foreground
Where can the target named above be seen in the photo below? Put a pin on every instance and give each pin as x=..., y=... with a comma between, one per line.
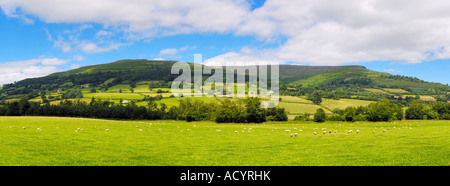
x=178, y=143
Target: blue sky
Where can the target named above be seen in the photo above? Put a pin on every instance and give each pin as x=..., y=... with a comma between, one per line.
x=383, y=36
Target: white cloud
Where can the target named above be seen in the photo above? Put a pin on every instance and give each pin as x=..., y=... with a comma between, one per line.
x=391, y=70
x=90, y=47
x=317, y=32
x=174, y=52
x=78, y=57
x=53, y=61
x=19, y=70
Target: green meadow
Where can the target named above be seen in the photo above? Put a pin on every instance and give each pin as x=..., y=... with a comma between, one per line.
x=179, y=143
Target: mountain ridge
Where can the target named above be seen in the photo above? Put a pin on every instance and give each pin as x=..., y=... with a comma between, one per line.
x=131, y=71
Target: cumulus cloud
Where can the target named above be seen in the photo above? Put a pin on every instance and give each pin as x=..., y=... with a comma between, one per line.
x=19, y=70
x=317, y=32
x=174, y=52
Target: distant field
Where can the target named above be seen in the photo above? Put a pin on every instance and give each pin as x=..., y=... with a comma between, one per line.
x=178, y=143
x=116, y=88
x=344, y=103
x=375, y=90
x=295, y=108
x=295, y=99
x=400, y=91
x=114, y=95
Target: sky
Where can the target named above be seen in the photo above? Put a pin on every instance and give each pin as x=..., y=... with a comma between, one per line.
x=404, y=37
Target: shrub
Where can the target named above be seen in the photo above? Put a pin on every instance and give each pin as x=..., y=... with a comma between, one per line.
x=320, y=115
x=335, y=117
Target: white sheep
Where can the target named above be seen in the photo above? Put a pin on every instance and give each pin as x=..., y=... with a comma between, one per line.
x=107, y=130
x=235, y=131
x=38, y=129
x=292, y=135
x=335, y=131
x=288, y=130
x=315, y=133
x=296, y=134
x=384, y=130
x=357, y=131
x=24, y=127
x=140, y=130
x=373, y=131
x=324, y=132
x=350, y=131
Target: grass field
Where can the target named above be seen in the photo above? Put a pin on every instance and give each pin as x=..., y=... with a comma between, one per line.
x=177, y=143
x=396, y=90
x=375, y=90
x=344, y=103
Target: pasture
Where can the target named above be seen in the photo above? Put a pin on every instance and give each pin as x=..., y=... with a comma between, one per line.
x=78, y=141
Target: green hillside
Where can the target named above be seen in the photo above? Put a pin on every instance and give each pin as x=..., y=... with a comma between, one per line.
x=355, y=82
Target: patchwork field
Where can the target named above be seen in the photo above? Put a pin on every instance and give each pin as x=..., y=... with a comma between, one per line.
x=396, y=90
x=177, y=143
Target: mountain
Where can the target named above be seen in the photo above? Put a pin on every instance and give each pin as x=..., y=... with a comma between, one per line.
x=130, y=72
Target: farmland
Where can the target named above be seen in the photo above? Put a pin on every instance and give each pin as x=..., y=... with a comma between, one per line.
x=178, y=143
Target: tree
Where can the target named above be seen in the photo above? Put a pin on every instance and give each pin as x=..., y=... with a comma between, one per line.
x=315, y=97
x=255, y=114
x=384, y=110
x=418, y=111
x=320, y=115
x=350, y=114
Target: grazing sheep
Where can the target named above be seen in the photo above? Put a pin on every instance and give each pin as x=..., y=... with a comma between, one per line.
x=107, y=130
x=350, y=131
x=384, y=130
x=24, y=127
x=373, y=131
x=38, y=129
x=140, y=130
x=357, y=131
x=137, y=126
x=324, y=128
x=324, y=132
x=335, y=131
x=329, y=132
x=292, y=135
x=296, y=134
x=235, y=131
x=287, y=130
x=315, y=133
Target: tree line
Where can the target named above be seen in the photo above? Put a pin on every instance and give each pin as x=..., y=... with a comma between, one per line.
x=224, y=111
x=384, y=110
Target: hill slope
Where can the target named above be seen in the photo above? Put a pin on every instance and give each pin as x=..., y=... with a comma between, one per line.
x=130, y=72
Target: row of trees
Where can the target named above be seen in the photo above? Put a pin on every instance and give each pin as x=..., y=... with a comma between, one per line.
x=385, y=110
x=241, y=111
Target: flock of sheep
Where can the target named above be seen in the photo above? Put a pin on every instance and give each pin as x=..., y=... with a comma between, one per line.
x=292, y=134
x=325, y=131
